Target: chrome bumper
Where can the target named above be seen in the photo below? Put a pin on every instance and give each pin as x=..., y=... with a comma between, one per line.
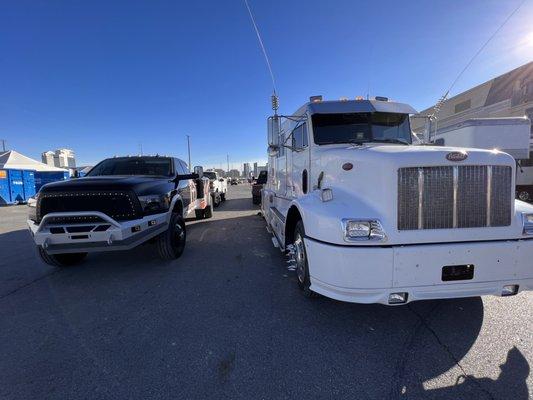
x=104, y=235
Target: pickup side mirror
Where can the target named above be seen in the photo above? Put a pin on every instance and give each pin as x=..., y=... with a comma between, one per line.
x=199, y=170
x=185, y=177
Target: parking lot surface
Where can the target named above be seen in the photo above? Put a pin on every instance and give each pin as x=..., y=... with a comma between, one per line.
x=226, y=320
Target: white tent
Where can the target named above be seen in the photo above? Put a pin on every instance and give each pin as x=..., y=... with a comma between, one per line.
x=14, y=160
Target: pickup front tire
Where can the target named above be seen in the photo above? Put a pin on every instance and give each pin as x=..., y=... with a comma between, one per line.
x=171, y=243
x=60, y=260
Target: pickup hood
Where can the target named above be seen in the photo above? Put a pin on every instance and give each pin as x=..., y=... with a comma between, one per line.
x=141, y=185
x=370, y=191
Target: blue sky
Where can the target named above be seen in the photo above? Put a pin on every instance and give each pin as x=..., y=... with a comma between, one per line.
x=101, y=77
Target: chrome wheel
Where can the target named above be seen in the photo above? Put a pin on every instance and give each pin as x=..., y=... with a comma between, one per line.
x=299, y=256
x=523, y=195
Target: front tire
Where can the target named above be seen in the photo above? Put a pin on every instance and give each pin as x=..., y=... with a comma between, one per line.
x=302, y=266
x=60, y=260
x=216, y=199
x=223, y=196
x=171, y=243
x=204, y=213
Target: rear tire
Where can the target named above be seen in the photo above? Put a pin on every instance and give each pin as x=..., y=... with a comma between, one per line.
x=302, y=266
x=216, y=200
x=223, y=196
x=204, y=213
x=60, y=260
x=171, y=243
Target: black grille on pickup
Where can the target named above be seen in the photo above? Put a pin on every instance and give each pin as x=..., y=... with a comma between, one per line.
x=119, y=205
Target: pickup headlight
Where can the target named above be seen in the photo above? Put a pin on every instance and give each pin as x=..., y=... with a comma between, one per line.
x=154, y=203
x=527, y=221
x=356, y=230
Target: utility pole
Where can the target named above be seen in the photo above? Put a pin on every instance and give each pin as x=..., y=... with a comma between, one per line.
x=3, y=145
x=189, y=150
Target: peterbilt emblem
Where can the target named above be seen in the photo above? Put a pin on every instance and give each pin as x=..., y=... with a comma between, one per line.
x=456, y=156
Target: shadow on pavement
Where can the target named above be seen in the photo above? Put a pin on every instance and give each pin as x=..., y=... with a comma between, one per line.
x=228, y=311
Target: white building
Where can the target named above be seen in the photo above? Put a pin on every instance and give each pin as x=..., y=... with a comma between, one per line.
x=246, y=170
x=61, y=158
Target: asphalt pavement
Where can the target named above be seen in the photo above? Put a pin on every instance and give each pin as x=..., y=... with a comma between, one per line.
x=227, y=321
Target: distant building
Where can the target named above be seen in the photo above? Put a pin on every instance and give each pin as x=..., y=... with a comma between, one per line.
x=48, y=158
x=61, y=158
x=234, y=173
x=255, y=169
x=246, y=170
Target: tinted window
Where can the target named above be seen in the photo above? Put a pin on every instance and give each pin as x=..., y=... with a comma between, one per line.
x=361, y=127
x=184, y=167
x=299, y=136
x=133, y=166
x=262, y=178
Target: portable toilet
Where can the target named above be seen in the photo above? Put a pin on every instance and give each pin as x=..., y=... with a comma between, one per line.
x=19, y=175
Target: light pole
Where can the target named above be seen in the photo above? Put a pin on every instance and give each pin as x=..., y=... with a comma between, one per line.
x=189, y=150
x=3, y=145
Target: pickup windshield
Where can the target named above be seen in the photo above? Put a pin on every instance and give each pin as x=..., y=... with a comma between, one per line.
x=361, y=128
x=210, y=175
x=133, y=166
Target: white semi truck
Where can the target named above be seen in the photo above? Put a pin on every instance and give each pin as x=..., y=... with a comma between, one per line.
x=367, y=217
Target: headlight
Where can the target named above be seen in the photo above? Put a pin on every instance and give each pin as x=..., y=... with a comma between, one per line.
x=154, y=203
x=32, y=201
x=528, y=224
x=355, y=230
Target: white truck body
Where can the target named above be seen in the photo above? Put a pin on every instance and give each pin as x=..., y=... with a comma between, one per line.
x=509, y=134
x=218, y=186
x=429, y=211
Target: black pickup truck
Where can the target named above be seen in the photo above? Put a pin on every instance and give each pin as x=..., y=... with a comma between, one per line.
x=121, y=203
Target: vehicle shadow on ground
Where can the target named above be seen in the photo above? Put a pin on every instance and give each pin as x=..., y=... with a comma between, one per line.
x=248, y=294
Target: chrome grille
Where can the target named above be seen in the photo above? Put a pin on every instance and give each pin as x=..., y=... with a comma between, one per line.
x=445, y=197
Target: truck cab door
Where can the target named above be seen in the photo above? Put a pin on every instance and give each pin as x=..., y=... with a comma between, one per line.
x=187, y=188
x=299, y=161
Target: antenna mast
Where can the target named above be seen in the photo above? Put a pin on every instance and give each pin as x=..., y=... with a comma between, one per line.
x=274, y=97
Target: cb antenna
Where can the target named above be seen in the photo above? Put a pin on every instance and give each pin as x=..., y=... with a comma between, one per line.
x=274, y=98
x=443, y=98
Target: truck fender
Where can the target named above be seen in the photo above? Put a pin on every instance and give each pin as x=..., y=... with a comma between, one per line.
x=176, y=204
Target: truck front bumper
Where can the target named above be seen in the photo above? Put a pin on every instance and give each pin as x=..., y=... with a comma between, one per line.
x=370, y=274
x=105, y=235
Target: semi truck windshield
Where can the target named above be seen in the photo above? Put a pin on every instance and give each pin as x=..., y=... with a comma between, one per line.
x=133, y=166
x=361, y=128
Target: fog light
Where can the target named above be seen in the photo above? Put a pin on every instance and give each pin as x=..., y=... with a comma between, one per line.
x=398, y=298
x=509, y=290
x=136, y=228
x=152, y=222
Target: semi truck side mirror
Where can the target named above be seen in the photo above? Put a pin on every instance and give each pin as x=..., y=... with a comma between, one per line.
x=273, y=125
x=199, y=170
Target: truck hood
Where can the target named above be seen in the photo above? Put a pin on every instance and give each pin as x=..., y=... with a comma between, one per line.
x=139, y=184
x=369, y=190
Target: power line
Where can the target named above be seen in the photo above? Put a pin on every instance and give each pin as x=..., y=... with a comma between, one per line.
x=439, y=103
x=262, y=46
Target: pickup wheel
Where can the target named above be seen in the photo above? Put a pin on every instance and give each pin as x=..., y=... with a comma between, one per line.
x=216, y=199
x=205, y=213
x=300, y=256
x=171, y=243
x=60, y=260
x=223, y=196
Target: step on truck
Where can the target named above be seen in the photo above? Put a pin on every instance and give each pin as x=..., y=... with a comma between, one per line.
x=364, y=216
x=121, y=203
